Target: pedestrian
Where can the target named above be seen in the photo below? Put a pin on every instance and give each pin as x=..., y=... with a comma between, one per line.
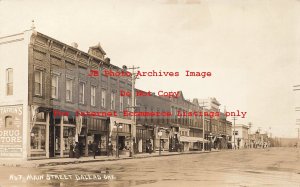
x=94, y=148
x=150, y=147
x=110, y=149
x=71, y=151
x=80, y=148
x=77, y=152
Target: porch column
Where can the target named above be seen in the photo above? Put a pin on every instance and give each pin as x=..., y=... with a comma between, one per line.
x=61, y=136
x=86, y=151
x=47, y=135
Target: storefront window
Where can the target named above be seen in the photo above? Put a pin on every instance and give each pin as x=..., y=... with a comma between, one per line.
x=57, y=138
x=38, y=135
x=68, y=138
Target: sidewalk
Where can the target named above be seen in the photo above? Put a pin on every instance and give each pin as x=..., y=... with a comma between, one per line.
x=64, y=161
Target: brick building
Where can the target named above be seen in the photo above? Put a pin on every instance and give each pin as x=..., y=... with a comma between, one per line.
x=180, y=132
x=45, y=111
x=57, y=102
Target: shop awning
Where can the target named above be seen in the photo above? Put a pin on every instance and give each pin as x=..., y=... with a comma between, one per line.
x=191, y=139
x=114, y=120
x=120, y=120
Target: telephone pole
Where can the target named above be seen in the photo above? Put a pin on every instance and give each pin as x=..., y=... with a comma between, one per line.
x=298, y=140
x=249, y=134
x=297, y=88
x=203, y=121
x=133, y=106
x=298, y=144
x=234, y=119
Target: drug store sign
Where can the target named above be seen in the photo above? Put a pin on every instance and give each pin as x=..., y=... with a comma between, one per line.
x=11, y=124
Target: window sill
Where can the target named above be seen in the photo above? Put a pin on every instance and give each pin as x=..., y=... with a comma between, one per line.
x=39, y=96
x=38, y=150
x=70, y=102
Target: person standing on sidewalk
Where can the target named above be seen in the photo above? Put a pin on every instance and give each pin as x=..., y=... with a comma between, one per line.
x=150, y=147
x=71, y=151
x=94, y=148
x=110, y=149
x=77, y=152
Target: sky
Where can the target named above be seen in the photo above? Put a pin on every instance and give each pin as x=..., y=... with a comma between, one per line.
x=251, y=47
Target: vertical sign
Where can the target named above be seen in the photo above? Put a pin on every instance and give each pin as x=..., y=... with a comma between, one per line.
x=11, y=125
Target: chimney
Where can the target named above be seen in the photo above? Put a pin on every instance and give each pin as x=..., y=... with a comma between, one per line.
x=74, y=44
x=107, y=60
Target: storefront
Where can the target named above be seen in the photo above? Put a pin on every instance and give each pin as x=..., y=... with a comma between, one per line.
x=174, y=139
x=163, y=140
x=184, y=141
x=38, y=136
x=196, y=132
x=64, y=136
x=188, y=142
x=120, y=135
x=144, y=135
x=98, y=133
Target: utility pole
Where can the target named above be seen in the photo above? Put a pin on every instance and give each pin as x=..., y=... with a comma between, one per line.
x=234, y=119
x=298, y=144
x=249, y=134
x=203, y=120
x=117, y=125
x=133, y=118
x=298, y=140
x=297, y=88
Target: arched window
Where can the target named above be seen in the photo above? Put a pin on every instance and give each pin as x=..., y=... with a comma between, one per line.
x=8, y=121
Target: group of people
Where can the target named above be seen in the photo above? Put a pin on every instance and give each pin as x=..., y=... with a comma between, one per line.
x=95, y=149
x=77, y=150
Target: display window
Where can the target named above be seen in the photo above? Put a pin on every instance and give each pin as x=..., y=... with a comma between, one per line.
x=38, y=137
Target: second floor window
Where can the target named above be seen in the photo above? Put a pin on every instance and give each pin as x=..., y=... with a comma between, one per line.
x=121, y=103
x=81, y=93
x=69, y=88
x=128, y=101
x=9, y=81
x=93, y=95
x=54, y=86
x=112, y=100
x=38, y=82
x=103, y=98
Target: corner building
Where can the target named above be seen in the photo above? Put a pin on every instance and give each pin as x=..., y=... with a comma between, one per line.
x=45, y=82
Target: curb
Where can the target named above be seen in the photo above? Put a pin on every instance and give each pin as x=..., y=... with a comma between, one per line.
x=31, y=164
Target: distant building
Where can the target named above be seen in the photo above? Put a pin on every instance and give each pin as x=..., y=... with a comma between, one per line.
x=241, y=136
x=259, y=140
x=180, y=133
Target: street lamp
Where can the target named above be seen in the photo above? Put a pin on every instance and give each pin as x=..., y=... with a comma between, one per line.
x=210, y=136
x=117, y=125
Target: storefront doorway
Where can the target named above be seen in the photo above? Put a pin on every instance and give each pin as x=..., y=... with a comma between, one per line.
x=51, y=141
x=140, y=146
x=121, y=142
